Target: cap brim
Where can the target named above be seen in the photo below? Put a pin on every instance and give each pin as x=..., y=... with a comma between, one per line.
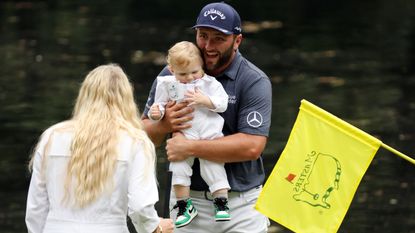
x=214, y=27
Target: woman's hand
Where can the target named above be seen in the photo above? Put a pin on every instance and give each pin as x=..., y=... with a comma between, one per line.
x=165, y=226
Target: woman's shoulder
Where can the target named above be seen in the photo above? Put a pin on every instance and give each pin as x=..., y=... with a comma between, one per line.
x=61, y=127
x=57, y=130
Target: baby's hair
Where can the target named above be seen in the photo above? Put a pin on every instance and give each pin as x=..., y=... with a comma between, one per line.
x=182, y=53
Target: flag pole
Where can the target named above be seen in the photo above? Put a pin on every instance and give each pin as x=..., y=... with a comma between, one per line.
x=407, y=158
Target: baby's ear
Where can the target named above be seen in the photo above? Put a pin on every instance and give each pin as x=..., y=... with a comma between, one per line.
x=170, y=69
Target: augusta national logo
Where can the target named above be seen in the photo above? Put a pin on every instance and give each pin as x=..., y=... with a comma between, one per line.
x=254, y=119
x=319, y=178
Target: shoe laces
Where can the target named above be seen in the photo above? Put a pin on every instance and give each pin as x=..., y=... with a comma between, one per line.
x=221, y=203
x=182, y=207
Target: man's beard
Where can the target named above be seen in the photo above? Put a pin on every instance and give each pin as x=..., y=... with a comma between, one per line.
x=223, y=59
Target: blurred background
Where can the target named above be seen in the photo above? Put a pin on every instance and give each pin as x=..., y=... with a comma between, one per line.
x=355, y=59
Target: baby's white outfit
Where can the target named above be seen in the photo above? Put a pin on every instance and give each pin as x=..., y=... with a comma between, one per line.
x=206, y=124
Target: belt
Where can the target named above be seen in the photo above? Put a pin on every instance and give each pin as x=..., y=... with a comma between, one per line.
x=208, y=195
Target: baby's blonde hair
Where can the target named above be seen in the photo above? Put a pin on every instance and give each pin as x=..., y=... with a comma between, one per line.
x=182, y=53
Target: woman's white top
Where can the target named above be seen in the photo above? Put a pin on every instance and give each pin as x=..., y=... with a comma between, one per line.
x=134, y=191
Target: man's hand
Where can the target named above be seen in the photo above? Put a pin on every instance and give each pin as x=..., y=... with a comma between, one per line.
x=177, y=148
x=177, y=116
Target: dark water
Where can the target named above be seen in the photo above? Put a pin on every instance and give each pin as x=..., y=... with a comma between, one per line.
x=353, y=58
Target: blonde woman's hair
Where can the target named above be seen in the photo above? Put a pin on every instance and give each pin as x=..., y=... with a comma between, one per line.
x=105, y=107
x=182, y=53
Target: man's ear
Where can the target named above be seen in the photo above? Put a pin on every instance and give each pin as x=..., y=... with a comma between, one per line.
x=238, y=40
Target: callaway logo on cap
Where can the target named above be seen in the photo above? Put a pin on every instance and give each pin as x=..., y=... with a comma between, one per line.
x=219, y=16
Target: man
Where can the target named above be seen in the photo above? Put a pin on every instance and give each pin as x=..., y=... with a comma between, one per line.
x=246, y=128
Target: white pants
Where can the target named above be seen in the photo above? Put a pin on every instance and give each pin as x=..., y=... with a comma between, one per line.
x=205, y=125
x=244, y=218
x=213, y=174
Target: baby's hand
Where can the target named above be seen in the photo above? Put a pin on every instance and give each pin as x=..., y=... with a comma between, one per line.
x=155, y=112
x=198, y=98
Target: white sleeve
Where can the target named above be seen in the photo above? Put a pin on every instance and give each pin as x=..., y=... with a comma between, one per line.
x=218, y=96
x=142, y=194
x=37, y=206
x=161, y=97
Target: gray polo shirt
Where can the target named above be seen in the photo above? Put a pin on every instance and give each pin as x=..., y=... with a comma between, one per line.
x=249, y=111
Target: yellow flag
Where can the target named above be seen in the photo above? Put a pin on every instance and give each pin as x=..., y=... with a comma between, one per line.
x=314, y=181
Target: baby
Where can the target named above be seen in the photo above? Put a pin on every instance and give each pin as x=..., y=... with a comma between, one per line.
x=189, y=83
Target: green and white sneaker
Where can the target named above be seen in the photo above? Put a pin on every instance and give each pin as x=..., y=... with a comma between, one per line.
x=186, y=212
x=221, y=209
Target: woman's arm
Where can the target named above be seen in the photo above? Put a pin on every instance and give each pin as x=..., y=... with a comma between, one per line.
x=143, y=194
x=37, y=199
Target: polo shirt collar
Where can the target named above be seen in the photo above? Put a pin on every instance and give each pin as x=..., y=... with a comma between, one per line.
x=233, y=68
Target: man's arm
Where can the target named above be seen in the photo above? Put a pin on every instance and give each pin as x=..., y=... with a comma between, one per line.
x=174, y=120
x=233, y=148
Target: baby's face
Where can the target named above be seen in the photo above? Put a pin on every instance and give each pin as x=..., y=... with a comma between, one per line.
x=187, y=74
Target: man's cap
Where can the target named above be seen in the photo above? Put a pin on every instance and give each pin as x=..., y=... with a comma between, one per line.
x=220, y=16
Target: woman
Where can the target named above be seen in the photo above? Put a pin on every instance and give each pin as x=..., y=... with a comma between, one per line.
x=89, y=172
